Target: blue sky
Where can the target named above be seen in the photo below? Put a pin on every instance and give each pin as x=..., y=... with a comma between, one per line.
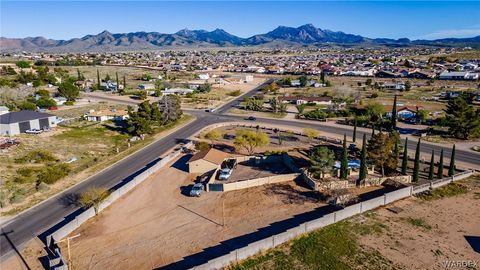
x=68, y=19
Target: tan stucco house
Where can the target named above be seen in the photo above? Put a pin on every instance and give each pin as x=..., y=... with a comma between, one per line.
x=206, y=160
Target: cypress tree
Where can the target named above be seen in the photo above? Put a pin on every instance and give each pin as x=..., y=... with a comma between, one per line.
x=432, y=162
x=354, y=129
x=116, y=77
x=373, y=130
x=396, y=153
x=416, y=166
x=79, y=75
x=363, y=159
x=124, y=83
x=394, y=113
x=98, y=79
x=344, y=162
x=440, y=166
x=451, y=167
x=405, y=158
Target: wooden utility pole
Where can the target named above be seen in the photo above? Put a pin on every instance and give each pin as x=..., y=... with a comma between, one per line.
x=68, y=249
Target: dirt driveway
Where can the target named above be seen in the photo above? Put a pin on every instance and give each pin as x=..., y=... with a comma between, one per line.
x=156, y=224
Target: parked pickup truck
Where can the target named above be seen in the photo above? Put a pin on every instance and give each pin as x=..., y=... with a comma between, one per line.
x=33, y=131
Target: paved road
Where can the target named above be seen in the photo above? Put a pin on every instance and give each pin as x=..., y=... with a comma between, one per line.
x=33, y=222
x=29, y=224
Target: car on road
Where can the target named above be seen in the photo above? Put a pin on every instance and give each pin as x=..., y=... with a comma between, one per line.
x=211, y=110
x=196, y=190
x=225, y=173
x=251, y=118
x=33, y=131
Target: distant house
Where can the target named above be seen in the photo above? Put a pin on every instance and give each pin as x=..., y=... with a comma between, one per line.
x=206, y=160
x=4, y=110
x=60, y=100
x=387, y=74
x=177, y=91
x=458, y=75
x=204, y=76
x=295, y=83
x=146, y=86
x=394, y=86
x=403, y=112
x=104, y=115
x=14, y=123
x=421, y=75
x=298, y=100
x=108, y=86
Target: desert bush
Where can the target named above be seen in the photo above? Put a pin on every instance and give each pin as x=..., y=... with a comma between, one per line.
x=36, y=156
x=52, y=174
x=93, y=197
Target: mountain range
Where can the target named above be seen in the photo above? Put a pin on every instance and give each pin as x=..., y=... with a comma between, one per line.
x=305, y=35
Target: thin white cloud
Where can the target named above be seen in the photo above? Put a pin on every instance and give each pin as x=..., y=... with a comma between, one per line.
x=453, y=33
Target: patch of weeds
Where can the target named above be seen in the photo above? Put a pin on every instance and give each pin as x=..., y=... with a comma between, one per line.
x=332, y=247
x=419, y=222
x=36, y=156
x=450, y=190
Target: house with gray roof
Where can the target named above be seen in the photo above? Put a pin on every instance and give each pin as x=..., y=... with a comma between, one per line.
x=14, y=123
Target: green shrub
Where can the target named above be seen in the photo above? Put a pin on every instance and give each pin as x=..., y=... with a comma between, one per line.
x=18, y=195
x=36, y=156
x=68, y=103
x=52, y=174
x=234, y=93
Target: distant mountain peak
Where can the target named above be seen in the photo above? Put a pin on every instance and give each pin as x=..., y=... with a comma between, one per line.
x=306, y=34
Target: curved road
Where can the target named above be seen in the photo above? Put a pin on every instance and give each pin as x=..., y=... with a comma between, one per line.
x=31, y=223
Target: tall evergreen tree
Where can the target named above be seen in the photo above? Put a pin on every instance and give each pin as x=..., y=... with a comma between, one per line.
x=432, y=165
x=440, y=166
x=98, y=79
x=116, y=78
x=354, y=129
x=416, y=166
x=451, y=167
x=344, y=162
x=373, y=130
x=363, y=160
x=124, y=83
x=394, y=113
x=405, y=158
x=396, y=153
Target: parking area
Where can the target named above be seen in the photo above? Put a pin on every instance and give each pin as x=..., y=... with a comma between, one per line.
x=246, y=170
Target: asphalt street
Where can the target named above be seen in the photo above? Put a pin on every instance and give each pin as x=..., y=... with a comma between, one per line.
x=17, y=232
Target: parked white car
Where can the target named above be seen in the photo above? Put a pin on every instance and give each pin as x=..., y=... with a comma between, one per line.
x=225, y=173
x=33, y=131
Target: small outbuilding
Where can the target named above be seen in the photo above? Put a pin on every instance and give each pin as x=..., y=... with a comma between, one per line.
x=206, y=160
x=14, y=123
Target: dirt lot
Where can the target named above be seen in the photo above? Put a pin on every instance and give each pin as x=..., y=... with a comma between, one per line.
x=157, y=225
x=431, y=231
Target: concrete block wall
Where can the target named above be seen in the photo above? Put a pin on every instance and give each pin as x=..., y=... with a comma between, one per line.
x=320, y=222
x=347, y=212
x=64, y=230
x=398, y=194
x=372, y=203
x=87, y=214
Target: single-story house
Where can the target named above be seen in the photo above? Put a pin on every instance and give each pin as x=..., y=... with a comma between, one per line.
x=458, y=75
x=14, y=123
x=394, y=86
x=204, y=76
x=60, y=100
x=177, y=91
x=146, y=86
x=298, y=100
x=206, y=160
x=104, y=115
